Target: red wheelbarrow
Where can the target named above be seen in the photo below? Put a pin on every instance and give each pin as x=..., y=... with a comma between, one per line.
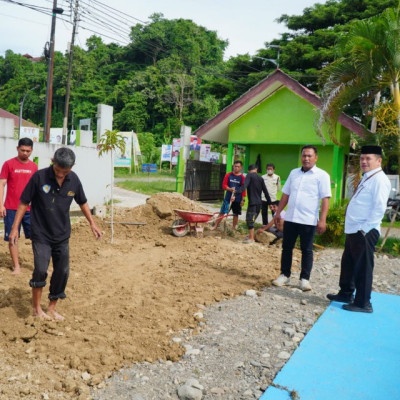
x=186, y=221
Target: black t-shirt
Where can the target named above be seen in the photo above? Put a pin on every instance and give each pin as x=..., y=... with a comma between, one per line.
x=50, y=204
x=254, y=185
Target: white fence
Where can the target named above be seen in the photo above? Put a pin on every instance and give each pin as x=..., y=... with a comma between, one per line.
x=93, y=171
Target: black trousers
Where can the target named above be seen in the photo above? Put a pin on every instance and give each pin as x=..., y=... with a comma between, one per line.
x=357, y=266
x=264, y=212
x=59, y=253
x=291, y=231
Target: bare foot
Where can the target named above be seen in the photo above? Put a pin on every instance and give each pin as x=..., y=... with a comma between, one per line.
x=42, y=315
x=16, y=271
x=56, y=315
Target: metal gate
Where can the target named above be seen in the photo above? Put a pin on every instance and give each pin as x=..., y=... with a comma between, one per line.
x=203, y=180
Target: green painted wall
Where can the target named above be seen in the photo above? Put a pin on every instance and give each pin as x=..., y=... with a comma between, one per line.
x=277, y=129
x=283, y=117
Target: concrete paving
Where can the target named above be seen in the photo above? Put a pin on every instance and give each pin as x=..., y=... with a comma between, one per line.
x=128, y=198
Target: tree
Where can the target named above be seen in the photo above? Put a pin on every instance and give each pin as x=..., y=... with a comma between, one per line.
x=108, y=143
x=368, y=62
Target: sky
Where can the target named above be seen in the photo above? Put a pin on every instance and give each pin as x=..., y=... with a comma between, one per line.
x=247, y=25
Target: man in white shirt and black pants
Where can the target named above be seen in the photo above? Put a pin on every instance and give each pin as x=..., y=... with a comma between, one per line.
x=304, y=190
x=362, y=228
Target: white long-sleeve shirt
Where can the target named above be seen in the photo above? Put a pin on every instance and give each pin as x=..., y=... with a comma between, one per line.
x=368, y=204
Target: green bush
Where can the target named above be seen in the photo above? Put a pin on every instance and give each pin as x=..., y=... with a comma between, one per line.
x=334, y=235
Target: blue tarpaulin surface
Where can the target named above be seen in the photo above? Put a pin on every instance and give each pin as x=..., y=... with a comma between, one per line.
x=347, y=356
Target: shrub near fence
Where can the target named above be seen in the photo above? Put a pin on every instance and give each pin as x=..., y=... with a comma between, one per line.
x=334, y=235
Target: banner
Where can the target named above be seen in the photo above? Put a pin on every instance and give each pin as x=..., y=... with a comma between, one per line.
x=124, y=159
x=214, y=157
x=56, y=135
x=176, y=145
x=166, y=150
x=195, y=143
x=72, y=138
x=205, y=152
x=31, y=133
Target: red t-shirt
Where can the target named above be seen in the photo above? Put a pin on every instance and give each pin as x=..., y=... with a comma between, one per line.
x=17, y=175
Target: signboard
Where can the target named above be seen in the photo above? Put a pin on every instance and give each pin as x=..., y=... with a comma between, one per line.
x=28, y=132
x=166, y=150
x=124, y=159
x=136, y=146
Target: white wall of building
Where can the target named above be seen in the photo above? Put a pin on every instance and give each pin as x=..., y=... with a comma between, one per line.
x=93, y=171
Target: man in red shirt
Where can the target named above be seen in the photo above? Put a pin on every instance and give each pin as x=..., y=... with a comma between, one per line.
x=16, y=173
x=231, y=181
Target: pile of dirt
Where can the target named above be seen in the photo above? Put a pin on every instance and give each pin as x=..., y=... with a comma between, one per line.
x=125, y=300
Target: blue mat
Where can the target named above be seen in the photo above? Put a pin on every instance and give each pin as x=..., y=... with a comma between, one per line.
x=346, y=356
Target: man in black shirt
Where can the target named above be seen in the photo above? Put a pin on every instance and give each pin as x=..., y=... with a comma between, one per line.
x=254, y=184
x=50, y=192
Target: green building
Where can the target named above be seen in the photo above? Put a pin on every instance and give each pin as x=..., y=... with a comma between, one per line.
x=273, y=120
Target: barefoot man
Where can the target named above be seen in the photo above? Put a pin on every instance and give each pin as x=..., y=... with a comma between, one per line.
x=50, y=192
x=15, y=174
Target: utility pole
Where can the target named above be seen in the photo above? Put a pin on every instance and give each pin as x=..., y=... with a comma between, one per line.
x=67, y=92
x=49, y=89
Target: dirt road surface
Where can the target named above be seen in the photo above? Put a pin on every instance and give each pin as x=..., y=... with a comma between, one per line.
x=124, y=300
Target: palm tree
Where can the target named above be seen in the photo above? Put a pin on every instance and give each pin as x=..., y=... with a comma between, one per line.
x=109, y=142
x=368, y=62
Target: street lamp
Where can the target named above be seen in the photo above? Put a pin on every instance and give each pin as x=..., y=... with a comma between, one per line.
x=276, y=62
x=21, y=107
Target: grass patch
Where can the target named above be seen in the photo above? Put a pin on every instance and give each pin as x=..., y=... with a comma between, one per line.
x=149, y=188
x=124, y=173
x=391, y=247
x=385, y=224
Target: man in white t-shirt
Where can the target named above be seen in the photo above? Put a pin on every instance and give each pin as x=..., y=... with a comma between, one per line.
x=305, y=189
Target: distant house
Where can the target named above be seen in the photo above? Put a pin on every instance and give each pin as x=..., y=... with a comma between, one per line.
x=273, y=120
x=33, y=59
x=6, y=114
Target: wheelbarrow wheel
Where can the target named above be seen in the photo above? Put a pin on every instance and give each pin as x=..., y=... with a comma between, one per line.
x=180, y=228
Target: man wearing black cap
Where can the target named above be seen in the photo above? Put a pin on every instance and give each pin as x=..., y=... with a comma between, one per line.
x=362, y=228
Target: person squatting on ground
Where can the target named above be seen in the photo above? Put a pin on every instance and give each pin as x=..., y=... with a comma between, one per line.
x=50, y=192
x=363, y=218
x=271, y=227
x=273, y=184
x=232, y=180
x=254, y=185
x=16, y=173
x=304, y=190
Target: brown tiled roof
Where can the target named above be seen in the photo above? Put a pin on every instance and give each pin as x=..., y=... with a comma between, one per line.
x=217, y=128
x=33, y=59
x=6, y=114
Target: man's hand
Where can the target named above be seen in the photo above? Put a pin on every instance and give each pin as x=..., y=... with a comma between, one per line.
x=13, y=237
x=321, y=227
x=241, y=203
x=96, y=231
x=3, y=211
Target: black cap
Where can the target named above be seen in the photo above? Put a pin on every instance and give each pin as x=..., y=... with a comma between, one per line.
x=371, y=150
